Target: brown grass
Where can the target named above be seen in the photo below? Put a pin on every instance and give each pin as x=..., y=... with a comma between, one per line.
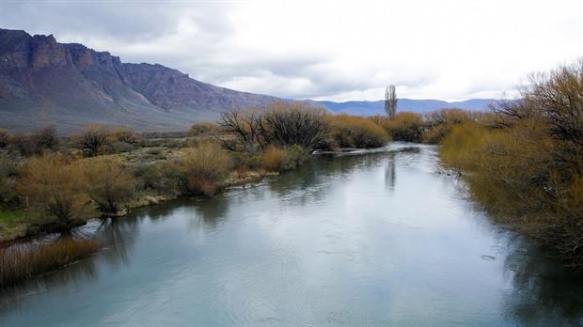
x=19, y=264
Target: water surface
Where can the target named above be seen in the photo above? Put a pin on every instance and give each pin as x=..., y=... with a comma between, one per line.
x=376, y=239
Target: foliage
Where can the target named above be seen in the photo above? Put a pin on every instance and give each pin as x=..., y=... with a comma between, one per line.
x=54, y=187
x=205, y=129
x=293, y=123
x=4, y=137
x=356, y=132
x=528, y=170
x=108, y=183
x=244, y=126
x=281, y=123
x=203, y=166
x=8, y=173
x=36, y=143
x=93, y=139
x=441, y=122
x=405, y=126
x=281, y=159
x=21, y=263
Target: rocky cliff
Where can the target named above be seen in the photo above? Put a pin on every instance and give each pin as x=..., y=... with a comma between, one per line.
x=43, y=82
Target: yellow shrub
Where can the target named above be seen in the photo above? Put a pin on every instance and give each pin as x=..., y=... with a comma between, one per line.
x=205, y=166
x=356, y=132
x=273, y=158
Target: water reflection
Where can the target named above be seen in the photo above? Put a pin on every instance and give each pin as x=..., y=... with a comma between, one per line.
x=335, y=243
x=544, y=293
x=118, y=236
x=391, y=173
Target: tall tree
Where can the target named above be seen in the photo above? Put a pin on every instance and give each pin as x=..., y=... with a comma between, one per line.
x=391, y=101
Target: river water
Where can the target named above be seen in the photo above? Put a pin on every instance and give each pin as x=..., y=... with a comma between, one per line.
x=376, y=239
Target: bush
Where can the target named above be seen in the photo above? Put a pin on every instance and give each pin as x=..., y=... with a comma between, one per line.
x=108, y=183
x=204, y=167
x=406, y=126
x=356, y=132
x=293, y=123
x=281, y=124
x=205, y=129
x=529, y=170
x=93, y=140
x=8, y=172
x=4, y=138
x=282, y=159
x=35, y=143
x=51, y=185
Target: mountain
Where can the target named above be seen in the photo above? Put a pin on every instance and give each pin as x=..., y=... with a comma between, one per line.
x=43, y=82
x=370, y=108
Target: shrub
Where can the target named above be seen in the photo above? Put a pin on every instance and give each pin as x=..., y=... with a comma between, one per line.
x=4, y=137
x=281, y=123
x=205, y=129
x=108, y=183
x=441, y=122
x=406, y=126
x=54, y=187
x=529, y=170
x=282, y=159
x=293, y=123
x=93, y=140
x=124, y=134
x=356, y=132
x=36, y=143
x=204, y=167
x=8, y=171
x=273, y=158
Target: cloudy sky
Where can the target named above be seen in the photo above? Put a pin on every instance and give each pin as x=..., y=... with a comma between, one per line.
x=334, y=50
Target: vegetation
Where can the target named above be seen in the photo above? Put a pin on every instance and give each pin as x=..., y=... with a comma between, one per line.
x=21, y=263
x=53, y=188
x=109, y=184
x=527, y=166
x=282, y=123
x=356, y=132
x=204, y=166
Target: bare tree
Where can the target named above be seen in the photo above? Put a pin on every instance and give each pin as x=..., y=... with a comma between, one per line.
x=391, y=101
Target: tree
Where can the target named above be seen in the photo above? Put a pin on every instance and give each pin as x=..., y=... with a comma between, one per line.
x=108, y=183
x=293, y=123
x=391, y=101
x=51, y=185
x=93, y=139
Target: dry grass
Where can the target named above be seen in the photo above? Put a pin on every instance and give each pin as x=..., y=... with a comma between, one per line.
x=19, y=264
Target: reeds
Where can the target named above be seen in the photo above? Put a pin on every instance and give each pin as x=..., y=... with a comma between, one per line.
x=20, y=263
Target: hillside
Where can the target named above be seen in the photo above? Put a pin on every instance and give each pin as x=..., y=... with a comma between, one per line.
x=43, y=82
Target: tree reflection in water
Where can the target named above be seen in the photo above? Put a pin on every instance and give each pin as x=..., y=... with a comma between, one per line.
x=544, y=293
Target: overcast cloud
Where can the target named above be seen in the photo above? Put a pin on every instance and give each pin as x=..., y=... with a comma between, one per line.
x=333, y=50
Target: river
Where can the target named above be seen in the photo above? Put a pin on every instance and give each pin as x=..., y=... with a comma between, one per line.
x=375, y=239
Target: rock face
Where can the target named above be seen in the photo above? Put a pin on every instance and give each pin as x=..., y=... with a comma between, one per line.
x=43, y=82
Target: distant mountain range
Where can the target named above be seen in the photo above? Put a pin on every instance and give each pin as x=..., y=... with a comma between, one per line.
x=44, y=83
x=370, y=108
